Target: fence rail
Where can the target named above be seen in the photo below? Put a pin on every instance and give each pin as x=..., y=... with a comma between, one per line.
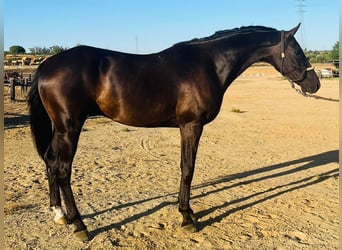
x=22, y=80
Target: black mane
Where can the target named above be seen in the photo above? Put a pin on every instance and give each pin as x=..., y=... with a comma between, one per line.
x=226, y=33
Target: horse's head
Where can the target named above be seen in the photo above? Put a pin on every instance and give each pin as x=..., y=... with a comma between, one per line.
x=294, y=65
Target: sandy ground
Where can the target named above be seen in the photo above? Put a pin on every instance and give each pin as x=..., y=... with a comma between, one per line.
x=266, y=177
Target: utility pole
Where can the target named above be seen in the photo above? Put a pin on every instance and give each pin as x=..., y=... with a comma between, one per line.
x=301, y=11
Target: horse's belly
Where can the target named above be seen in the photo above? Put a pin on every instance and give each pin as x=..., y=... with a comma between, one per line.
x=140, y=115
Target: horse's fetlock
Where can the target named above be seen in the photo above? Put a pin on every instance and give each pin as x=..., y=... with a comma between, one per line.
x=59, y=215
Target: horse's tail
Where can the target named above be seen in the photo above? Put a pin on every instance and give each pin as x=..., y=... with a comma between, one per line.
x=40, y=123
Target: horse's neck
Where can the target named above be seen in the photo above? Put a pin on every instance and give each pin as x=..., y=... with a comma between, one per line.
x=230, y=63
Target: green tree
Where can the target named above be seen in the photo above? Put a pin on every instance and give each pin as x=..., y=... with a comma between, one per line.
x=334, y=54
x=47, y=51
x=16, y=49
x=39, y=50
x=57, y=49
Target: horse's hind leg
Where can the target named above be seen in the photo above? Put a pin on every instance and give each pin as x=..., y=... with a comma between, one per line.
x=63, y=149
x=67, y=143
x=52, y=166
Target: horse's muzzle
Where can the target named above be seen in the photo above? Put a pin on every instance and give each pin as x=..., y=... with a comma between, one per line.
x=311, y=84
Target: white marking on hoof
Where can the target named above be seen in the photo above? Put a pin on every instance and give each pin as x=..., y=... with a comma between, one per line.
x=59, y=216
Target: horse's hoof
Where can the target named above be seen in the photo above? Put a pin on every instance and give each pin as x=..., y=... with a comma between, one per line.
x=190, y=228
x=81, y=235
x=61, y=221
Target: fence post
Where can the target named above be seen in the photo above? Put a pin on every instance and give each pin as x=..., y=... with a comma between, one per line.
x=26, y=84
x=21, y=83
x=12, y=89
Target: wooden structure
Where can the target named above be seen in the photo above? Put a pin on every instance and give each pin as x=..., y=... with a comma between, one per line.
x=23, y=81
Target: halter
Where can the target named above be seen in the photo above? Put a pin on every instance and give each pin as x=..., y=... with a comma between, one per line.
x=304, y=70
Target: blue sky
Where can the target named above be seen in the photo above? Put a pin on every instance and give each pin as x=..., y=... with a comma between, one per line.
x=147, y=26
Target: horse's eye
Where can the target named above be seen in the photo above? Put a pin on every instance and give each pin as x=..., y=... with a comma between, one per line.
x=297, y=52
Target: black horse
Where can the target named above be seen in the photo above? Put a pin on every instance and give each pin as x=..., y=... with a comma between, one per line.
x=182, y=86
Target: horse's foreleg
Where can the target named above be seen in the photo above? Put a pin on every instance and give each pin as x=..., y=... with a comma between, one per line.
x=190, y=136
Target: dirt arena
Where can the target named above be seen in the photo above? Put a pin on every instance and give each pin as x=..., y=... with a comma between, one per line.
x=266, y=177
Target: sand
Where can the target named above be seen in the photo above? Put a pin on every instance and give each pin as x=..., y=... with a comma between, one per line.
x=266, y=177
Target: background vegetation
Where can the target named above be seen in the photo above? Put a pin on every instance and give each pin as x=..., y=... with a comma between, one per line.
x=313, y=56
x=324, y=56
x=16, y=49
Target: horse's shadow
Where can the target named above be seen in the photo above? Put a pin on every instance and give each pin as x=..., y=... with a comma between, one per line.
x=240, y=203
x=14, y=120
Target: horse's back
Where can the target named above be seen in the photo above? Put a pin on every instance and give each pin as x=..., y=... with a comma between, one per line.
x=123, y=87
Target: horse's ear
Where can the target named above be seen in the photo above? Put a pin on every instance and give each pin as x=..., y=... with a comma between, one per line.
x=293, y=31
